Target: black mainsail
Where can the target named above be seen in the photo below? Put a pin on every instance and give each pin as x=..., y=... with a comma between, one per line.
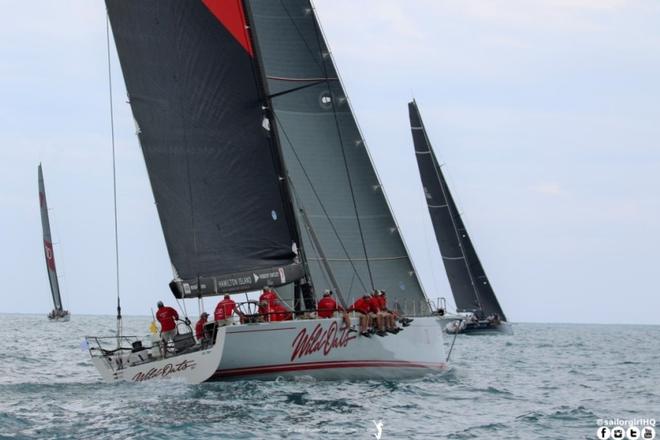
x=257, y=165
x=48, y=247
x=468, y=281
x=193, y=88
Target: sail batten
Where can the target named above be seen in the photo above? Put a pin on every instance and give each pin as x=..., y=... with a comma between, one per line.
x=48, y=245
x=467, y=278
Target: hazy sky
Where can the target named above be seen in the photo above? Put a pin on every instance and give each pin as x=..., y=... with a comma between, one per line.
x=545, y=112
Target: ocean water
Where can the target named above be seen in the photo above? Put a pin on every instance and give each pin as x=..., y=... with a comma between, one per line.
x=548, y=381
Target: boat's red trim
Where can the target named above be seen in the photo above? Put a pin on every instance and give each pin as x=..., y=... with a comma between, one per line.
x=262, y=330
x=281, y=368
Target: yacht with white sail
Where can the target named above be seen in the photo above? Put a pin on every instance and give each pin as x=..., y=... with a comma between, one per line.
x=261, y=179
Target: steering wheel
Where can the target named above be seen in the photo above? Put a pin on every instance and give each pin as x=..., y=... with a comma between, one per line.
x=249, y=310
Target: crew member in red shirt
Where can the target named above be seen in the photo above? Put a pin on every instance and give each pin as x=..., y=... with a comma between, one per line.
x=388, y=315
x=361, y=307
x=266, y=299
x=276, y=311
x=224, y=311
x=167, y=317
x=328, y=308
x=376, y=314
x=199, y=326
x=395, y=316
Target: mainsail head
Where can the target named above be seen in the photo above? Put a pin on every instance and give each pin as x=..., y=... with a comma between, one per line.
x=48, y=244
x=468, y=281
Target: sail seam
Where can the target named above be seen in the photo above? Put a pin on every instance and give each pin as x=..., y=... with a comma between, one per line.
x=363, y=259
x=283, y=78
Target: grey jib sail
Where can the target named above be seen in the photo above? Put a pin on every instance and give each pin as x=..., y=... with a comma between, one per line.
x=48, y=245
x=349, y=234
x=469, y=284
x=193, y=88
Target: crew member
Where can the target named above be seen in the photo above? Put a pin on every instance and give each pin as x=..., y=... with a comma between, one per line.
x=361, y=307
x=199, y=326
x=167, y=317
x=376, y=314
x=388, y=315
x=395, y=315
x=328, y=308
x=277, y=311
x=268, y=296
x=224, y=311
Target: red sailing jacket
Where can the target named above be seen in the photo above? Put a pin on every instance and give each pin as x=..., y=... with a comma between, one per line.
x=374, y=304
x=278, y=312
x=166, y=316
x=270, y=297
x=327, y=307
x=361, y=305
x=224, y=309
x=199, y=328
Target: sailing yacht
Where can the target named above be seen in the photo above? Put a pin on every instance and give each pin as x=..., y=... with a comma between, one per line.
x=58, y=313
x=478, y=309
x=261, y=179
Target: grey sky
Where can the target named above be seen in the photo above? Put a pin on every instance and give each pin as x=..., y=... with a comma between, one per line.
x=545, y=112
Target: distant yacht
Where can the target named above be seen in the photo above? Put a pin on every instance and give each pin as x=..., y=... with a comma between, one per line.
x=58, y=313
x=476, y=303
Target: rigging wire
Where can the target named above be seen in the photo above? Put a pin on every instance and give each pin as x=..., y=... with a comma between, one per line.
x=318, y=198
x=452, y=346
x=114, y=179
x=324, y=66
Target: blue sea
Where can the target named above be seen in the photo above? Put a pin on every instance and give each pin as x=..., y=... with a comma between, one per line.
x=547, y=381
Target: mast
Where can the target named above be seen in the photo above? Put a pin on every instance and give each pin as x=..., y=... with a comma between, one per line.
x=48, y=245
x=280, y=167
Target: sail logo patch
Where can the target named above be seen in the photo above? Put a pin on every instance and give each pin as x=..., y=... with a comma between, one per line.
x=50, y=257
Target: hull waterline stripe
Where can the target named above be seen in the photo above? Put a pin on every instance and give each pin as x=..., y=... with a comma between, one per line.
x=324, y=365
